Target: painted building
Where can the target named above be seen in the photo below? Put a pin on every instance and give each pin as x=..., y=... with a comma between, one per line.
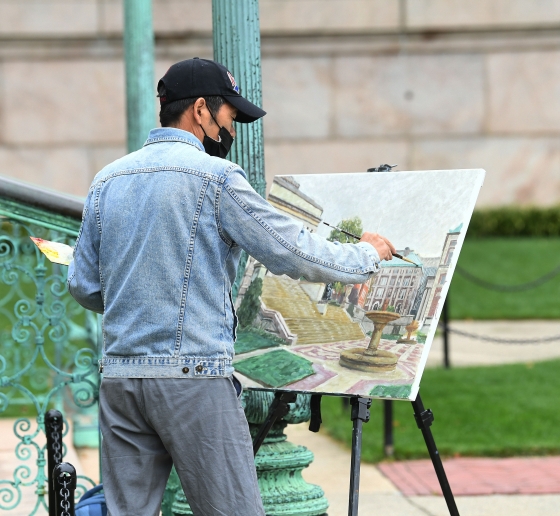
x=420, y=304
x=442, y=271
x=285, y=196
x=395, y=286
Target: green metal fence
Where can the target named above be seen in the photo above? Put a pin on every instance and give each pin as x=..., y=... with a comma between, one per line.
x=48, y=343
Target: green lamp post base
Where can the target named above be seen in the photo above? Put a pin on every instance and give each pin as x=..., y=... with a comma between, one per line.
x=279, y=465
x=283, y=490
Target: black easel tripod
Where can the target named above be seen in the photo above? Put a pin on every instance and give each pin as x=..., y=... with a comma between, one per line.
x=360, y=414
x=424, y=418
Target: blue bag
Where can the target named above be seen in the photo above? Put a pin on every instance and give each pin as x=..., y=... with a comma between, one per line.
x=92, y=503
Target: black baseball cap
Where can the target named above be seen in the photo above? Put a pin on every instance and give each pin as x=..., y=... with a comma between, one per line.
x=201, y=78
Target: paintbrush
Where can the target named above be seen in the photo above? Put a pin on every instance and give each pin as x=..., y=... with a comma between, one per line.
x=396, y=255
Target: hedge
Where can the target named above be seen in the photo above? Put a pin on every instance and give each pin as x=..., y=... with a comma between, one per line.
x=510, y=221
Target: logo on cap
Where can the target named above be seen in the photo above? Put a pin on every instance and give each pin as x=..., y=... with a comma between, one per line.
x=233, y=83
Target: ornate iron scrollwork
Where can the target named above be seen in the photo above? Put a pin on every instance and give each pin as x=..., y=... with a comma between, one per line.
x=48, y=353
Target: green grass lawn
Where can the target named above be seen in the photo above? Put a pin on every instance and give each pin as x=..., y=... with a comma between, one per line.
x=508, y=261
x=479, y=411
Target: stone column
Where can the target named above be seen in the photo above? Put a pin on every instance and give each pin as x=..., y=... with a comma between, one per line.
x=139, y=67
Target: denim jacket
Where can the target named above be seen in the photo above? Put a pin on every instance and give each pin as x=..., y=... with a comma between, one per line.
x=158, y=249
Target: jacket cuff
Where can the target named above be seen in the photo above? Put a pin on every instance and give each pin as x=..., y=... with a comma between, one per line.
x=372, y=253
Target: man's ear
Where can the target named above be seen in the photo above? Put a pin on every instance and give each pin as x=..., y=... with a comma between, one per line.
x=199, y=104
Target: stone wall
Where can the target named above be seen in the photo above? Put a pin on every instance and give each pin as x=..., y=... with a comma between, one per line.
x=348, y=84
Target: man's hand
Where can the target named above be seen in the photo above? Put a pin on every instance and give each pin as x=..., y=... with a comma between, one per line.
x=385, y=249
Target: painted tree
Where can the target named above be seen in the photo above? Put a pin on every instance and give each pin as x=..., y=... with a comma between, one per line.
x=353, y=225
x=339, y=289
x=251, y=303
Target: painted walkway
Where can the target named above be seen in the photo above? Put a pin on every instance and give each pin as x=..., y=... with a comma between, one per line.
x=302, y=317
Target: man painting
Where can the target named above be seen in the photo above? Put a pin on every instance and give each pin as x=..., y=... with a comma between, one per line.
x=161, y=236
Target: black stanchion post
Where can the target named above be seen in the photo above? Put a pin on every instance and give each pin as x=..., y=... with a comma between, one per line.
x=388, y=442
x=64, y=484
x=445, y=319
x=53, y=431
x=360, y=415
x=424, y=418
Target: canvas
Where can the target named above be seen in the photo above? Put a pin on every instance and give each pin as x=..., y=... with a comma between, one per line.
x=369, y=339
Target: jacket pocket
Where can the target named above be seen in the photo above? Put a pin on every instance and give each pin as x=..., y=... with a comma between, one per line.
x=237, y=385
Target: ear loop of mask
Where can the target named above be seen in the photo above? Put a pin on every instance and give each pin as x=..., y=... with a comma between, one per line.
x=216, y=122
x=219, y=148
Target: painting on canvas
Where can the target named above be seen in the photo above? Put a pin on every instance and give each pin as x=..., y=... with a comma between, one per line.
x=369, y=339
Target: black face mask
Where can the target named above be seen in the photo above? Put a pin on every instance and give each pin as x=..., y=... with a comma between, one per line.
x=220, y=147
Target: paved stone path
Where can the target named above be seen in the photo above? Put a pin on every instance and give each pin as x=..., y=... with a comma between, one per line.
x=478, y=476
x=409, y=490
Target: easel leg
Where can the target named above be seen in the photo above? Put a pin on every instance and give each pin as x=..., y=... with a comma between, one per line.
x=360, y=415
x=424, y=418
x=278, y=409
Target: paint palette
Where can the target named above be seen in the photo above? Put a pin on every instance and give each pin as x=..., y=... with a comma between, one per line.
x=54, y=251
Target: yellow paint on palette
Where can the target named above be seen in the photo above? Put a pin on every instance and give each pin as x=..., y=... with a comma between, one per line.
x=54, y=251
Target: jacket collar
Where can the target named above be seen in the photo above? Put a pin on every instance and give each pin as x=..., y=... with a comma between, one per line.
x=172, y=134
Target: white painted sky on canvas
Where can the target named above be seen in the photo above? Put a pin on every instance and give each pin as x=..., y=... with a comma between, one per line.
x=412, y=209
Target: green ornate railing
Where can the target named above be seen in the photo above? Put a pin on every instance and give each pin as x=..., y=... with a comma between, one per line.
x=48, y=343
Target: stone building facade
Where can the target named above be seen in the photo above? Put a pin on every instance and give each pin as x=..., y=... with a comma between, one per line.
x=286, y=196
x=395, y=286
x=348, y=84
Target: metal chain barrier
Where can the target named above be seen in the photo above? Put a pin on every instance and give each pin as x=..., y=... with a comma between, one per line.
x=509, y=288
x=53, y=431
x=57, y=445
x=499, y=340
x=65, y=485
x=64, y=498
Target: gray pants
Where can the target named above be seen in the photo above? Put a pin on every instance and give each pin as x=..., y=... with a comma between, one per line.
x=198, y=425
